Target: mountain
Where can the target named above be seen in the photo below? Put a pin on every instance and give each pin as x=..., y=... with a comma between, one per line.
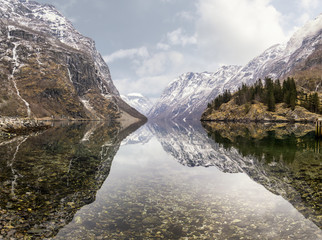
x=49, y=70
x=283, y=60
x=188, y=95
x=138, y=101
x=300, y=57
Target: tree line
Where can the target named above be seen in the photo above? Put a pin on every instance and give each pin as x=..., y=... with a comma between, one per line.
x=270, y=93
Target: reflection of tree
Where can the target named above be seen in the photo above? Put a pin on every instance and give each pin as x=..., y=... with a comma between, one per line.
x=59, y=172
x=284, y=159
x=270, y=146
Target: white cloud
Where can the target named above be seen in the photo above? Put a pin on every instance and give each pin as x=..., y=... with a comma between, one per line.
x=186, y=16
x=159, y=63
x=150, y=86
x=163, y=46
x=127, y=53
x=309, y=4
x=178, y=37
x=235, y=31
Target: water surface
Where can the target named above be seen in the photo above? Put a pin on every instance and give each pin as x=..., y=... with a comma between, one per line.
x=164, y=181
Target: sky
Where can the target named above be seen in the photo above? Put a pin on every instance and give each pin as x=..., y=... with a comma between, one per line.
x=148, y=43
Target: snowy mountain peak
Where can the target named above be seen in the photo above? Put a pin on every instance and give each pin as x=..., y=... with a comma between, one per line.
x=310, y=29
x=188, y=95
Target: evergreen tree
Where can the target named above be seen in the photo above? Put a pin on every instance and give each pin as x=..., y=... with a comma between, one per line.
x=271, y=101
x=278, y=92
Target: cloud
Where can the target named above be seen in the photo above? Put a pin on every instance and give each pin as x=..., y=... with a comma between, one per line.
x=163, y=46
x=309, y=4
x=235, y=31
x=159, y=63
x=186, y=16
x=178, y=37
x=150, y=86
x=127, y=53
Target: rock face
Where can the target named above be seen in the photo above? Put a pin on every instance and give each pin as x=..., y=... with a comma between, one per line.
x=188, y=95
x=49, y=70
x=138, y=101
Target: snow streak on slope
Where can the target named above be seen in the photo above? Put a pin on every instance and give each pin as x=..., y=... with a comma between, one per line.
x=16, y=66
x=46, y=19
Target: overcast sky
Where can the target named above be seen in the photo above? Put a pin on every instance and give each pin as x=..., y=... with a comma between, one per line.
x=148, y=43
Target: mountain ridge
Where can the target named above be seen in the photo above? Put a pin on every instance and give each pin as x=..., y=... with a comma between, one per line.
x=278, y=61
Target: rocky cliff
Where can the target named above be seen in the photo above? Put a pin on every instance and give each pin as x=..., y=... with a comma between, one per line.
x=49, y=70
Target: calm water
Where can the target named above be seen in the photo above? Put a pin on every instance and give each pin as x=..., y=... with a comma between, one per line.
x=162, y=181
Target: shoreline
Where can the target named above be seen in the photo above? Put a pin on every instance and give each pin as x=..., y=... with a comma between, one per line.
x=258, y=121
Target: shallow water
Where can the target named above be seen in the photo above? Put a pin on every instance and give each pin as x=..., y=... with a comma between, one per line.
x=164, y=181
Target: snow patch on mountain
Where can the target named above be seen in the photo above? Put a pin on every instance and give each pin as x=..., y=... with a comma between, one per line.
x=188, y=95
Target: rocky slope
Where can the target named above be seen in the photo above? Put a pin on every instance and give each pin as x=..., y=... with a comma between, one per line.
x=300, y=57
x=49, y=70
x=138, y=101
x=188, y=95
x=258, y=112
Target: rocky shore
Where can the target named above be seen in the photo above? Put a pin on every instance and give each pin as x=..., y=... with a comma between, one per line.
x=257, y=112
x=13, y=126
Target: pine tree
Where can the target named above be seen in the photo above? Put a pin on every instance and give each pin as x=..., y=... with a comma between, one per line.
x=278, y=92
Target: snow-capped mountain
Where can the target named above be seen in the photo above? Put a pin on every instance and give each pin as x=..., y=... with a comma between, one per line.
x=51, y=69
x=138, y=101
x=280, y=60
x=188, y=95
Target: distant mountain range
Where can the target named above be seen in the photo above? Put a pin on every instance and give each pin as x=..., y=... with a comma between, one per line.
x=139, y=102
x=187, y=96
x=49, y=70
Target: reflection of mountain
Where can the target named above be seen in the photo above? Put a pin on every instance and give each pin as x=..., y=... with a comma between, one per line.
x=141, y=136
x=189, y=144
x=285, y=160
x=46, y=178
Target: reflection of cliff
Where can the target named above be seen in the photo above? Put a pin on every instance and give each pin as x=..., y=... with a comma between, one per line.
x=46, y=178
x=284, y=159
